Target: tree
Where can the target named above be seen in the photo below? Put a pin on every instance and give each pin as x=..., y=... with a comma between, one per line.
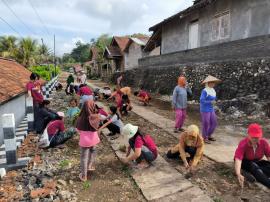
x=43, y=54
x=8, y=46
x=27, y=51
x=81, y=53
x=67, y=58
x=101, y=43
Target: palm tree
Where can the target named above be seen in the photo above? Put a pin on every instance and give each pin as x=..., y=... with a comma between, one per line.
x=43, y=54
x=8, y=46
x=27, y=51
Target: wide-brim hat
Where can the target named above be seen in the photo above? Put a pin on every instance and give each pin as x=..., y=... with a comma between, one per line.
x=210, y=78
x=129, y=130
x=61, y=114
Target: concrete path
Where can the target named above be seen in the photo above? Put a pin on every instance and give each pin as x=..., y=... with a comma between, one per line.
x=160, y=182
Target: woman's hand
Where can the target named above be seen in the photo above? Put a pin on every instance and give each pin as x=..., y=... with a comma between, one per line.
x=124, y=160
x=241, y=180
x=186, y=165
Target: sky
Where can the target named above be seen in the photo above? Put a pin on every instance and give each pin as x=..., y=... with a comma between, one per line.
x=73, y=20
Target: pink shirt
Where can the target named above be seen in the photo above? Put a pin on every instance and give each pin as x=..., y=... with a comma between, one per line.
x=88, y=138
x=55, y=126
x=143, y=94
x=148, y=142
x=246, y=151
x=85, y=90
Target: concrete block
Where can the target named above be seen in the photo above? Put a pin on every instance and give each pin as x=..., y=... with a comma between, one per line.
x=2, y=172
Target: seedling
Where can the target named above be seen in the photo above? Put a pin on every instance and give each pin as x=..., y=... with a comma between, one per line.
x=64, y=163
x=86, y=185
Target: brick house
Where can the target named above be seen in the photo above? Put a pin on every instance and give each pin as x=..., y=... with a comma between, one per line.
x=114, y=56
x=134, y=51
x=13, y=79
x=213, y=28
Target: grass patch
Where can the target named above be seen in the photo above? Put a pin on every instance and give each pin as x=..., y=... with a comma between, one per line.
x=86, y=185
x=64, y=163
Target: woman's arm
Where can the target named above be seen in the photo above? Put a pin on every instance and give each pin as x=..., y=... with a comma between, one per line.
x=203, y=98
x=105, y=125
x=237, y=167
x=135, y=155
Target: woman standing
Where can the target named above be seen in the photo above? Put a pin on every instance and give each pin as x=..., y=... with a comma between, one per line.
x=87, y=125
x=179, y=103
x=208, y=115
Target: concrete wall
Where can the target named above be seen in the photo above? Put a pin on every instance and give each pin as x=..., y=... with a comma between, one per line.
x=132, y=56
x=15, y=106
x=248, y=18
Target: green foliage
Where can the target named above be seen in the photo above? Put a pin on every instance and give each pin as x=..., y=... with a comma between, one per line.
x=81, y=53
x=45, y=71
x=64, y=163
x=86, y=185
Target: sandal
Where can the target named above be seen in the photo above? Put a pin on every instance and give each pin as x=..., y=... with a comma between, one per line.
x=91, y=168
x=211, y=139
x=84, y=179
x=206, y=141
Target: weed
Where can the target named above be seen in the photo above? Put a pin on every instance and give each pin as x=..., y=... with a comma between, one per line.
x=64, y=163
x=86, y=185
x=217, y=200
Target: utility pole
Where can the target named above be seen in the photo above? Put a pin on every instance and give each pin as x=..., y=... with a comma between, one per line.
x=54, y=61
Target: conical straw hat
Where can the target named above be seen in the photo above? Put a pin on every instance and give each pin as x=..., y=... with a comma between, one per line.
x=210, y=78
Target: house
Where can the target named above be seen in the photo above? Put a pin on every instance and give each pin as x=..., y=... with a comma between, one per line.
x=92, y=67
x=210, y=23
x=114, y=60
x=134, y=51
x=13, y=79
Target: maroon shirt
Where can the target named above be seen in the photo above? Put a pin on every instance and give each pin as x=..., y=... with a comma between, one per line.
x=55, y=126
x=246, y=151
x=37, y=97
x=143, y=94
x=85, y=90
x=148, y=142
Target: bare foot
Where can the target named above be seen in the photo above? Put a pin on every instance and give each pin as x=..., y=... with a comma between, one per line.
x=84, y=179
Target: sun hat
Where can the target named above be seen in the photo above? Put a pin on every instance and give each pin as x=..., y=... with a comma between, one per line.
x=193, y=130
x=210, y=78
x=130, y=130
x=61, y=114
x=255, y=130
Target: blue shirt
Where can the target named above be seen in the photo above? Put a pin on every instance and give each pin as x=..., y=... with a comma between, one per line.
x=72, y=111
x=179, y=99
x=206, y=102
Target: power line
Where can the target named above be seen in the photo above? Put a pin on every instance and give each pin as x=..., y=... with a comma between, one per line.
x=11, y=10
x=42, y=22
x=10, y=26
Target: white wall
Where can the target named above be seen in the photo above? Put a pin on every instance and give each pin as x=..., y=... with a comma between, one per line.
x=15, y=106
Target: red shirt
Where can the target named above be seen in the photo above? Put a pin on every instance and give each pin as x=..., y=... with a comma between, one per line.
x=146, y=141
x=143, y=94
x=246, y=151
x=55, y=126
x=37, y=97
x=85, y=90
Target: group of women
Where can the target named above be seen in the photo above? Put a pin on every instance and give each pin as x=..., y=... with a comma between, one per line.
x=92, y=119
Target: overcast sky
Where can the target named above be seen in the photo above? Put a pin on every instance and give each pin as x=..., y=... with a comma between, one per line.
x=73, y=20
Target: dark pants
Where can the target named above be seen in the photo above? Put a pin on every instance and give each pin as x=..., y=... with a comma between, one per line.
x=113, y=128
x=35, y=111
x=190, y=150
x=259, y=169
x=146, y=154
x=62, y=137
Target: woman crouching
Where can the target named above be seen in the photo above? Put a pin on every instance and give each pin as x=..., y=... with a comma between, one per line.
x=143, y=145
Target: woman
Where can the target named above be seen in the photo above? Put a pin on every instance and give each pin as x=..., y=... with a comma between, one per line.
x=208, y=115
x=87, y=125
x=69, y=88
x=190, y=148
x=179, y=103
x=57, y=133
x=44, y=116
x=85, y=94
x=143, y=145
x=113, y=122
x=124, y=105
x=34, y=92
x=143, y=96
x=249, y=154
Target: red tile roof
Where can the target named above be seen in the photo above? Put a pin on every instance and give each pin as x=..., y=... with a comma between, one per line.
x=121, y=41
x=13, y=79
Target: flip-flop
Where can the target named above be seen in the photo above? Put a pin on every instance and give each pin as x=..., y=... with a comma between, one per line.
x=92, y=169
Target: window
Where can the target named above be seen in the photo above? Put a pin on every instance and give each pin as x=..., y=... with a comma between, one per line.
x=221, y=26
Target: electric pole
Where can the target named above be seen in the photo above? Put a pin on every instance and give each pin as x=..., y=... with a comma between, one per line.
x=54, y=61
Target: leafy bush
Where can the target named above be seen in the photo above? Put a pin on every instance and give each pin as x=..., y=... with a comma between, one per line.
x=45, y=71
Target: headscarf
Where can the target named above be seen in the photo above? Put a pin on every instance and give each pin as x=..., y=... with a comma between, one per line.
x=90, y=114
x=182, y=81
x=193, y=131
x=210, y=91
